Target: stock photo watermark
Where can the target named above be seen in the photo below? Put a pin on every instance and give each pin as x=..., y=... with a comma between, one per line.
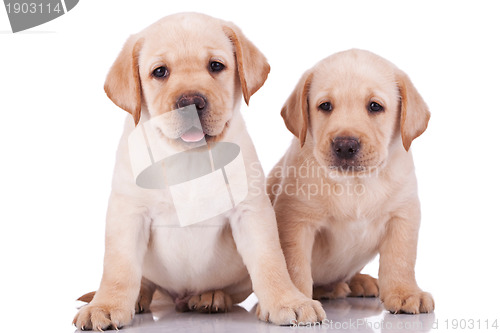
x=207, y=178
x=363, y=324
x=311, y=179
x=24, y=15
x=409, y=323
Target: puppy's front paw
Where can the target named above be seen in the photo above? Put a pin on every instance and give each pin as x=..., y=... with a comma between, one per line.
x=99, y=317
x=408, y=301
x=292, y=310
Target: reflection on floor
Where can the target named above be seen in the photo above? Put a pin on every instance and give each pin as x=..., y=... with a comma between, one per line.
x=351, y=314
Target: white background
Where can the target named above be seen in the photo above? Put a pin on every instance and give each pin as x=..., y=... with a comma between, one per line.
x=58, y=135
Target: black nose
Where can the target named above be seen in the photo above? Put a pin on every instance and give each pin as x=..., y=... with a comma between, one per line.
x=197, y=99
x=345, y=147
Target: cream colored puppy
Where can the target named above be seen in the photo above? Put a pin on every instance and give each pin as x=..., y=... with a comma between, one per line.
x=182, y=60
x=346, y=188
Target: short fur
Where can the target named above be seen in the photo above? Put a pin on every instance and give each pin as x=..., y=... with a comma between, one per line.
x=334, y=215
x=207, y=268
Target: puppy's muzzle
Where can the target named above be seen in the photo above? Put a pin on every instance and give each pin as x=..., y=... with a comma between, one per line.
x=197, y=99
x=345, y=148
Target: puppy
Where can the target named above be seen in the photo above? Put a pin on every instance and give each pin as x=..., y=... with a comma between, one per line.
x=182, y=60
x=346, y=188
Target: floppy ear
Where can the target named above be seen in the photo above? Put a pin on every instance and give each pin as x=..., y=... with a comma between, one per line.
x=123, y=84
x=295, y=111
x=252, y=65
x=414, y=112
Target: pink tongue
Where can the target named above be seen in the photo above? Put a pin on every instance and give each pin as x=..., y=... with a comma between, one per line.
x=193, y=135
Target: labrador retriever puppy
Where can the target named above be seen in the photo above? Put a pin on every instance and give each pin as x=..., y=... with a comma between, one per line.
x=181, y=60
x=346, y=188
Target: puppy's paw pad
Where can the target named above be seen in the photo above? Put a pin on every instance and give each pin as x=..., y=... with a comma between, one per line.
x=102, y=317
x=213, y=301
x=301, y=310
x=363, y=285
x=409, y=302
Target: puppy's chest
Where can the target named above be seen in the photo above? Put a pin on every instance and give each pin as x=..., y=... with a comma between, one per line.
x=343, y=247
x=195, y=242
x=359, y=199
x=167, y=229
x=362, y=232
x=355, y=209
x=357, y=220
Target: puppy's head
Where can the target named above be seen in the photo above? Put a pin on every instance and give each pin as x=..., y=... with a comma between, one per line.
x=187, y=59
x=356, y=107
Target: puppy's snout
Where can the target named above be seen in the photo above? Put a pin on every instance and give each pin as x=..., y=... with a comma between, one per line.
x=345, y=147
x=197, y=99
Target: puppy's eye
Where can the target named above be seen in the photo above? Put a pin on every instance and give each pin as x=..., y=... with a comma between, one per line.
x=160, y=72
x=326, y=106
x=375, y=107
x=216, y=66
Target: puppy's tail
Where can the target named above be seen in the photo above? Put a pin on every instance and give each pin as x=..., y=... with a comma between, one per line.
x=87, y=297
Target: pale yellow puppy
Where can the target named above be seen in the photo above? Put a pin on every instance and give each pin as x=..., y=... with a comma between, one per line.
x=181, y=60
x=346, y=189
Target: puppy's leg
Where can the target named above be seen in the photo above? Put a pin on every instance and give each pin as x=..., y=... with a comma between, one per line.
x=297, y=240
x=398, y=288
x=256, y=237
x=363, y=285
x=127, y=234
